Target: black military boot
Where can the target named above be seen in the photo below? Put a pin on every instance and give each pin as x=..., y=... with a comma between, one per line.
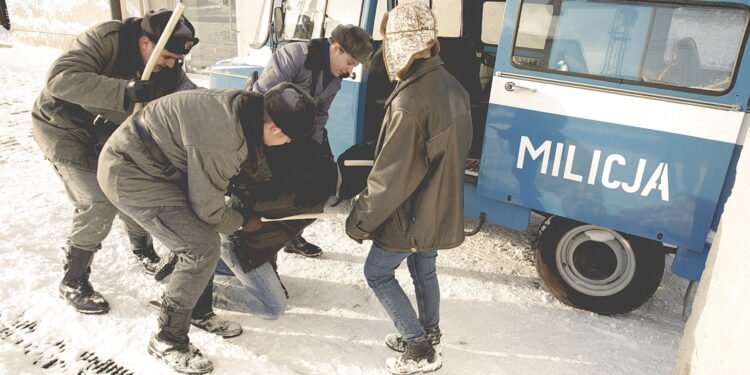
x=143, y=249
x=75, y=286
x=419, y=356
x=203, y=316
x=172, y=345
x=298, y=245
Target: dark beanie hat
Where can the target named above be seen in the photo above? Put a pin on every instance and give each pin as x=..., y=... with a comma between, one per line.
x=354, y=40
x=291, y=109
x=182, y=38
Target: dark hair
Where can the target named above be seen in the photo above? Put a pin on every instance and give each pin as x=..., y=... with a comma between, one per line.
x=302, y=168
x=354, y=40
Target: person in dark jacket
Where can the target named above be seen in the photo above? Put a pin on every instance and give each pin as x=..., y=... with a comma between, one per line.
x=413, y=204
x=317, y=66
x=303, y=178
x=89, y=91
x=169, y=166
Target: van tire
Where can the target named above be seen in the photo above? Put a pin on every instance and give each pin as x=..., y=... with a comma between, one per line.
x=612, y=274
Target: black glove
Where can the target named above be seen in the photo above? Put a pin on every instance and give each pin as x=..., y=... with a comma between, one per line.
x=139, y=91
x=354, y=178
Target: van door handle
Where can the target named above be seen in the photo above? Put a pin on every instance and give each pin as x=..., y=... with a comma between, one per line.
x=510, y=86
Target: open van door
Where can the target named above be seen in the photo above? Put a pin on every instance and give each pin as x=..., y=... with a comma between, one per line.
x=622, y=120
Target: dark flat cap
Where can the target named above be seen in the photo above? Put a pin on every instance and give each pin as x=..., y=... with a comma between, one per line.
x=182, y=38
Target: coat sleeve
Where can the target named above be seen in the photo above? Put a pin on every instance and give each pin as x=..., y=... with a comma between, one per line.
x=283, y=66
x=399, y=168
x=209, y=170
x=76, y=75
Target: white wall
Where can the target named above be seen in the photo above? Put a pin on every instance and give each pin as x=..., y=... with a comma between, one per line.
x=55, y=23
x=717, y=335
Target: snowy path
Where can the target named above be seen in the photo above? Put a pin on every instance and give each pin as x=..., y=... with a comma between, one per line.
x=495, y=317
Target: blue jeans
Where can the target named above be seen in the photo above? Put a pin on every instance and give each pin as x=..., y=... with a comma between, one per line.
x=259, y=291
x=380, y=269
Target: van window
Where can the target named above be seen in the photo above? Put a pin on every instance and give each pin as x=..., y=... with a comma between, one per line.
x=492, y=20
x=342, y=12
x=447, y=14
x=692, y=47
x=303, y=19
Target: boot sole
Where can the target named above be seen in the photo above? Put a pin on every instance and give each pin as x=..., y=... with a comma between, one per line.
x=87, y=312
x=160, y=357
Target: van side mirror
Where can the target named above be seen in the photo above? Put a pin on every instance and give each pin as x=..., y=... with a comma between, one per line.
x=278, y=23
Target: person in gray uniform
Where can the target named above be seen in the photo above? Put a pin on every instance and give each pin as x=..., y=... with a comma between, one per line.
x=90, y=89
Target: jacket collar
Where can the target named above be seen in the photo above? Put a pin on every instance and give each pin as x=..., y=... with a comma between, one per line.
x=317, y=55
x=128, y=60
x=414, y=74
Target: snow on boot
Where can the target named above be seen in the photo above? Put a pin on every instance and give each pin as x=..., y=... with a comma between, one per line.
x=143, y=249
x=217, y=325
x=396, y=342
x=418, y=357
x=188, y=361
x=172, y=345
x=165, y=267
x=75, y=286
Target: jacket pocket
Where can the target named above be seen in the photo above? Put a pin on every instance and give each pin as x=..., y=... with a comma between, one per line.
x=397, y=219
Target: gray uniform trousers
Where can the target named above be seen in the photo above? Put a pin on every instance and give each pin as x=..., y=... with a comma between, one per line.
x=94, y=213
x=195, y=242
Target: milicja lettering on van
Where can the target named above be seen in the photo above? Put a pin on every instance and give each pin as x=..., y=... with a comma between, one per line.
x=659, y=179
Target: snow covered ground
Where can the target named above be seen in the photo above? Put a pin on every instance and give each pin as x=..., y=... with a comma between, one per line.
x=496, y=318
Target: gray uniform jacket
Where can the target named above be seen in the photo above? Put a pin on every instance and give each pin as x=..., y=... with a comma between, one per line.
x=295, y=62
x=414, y=196
x=200, y=134
x=85, y=81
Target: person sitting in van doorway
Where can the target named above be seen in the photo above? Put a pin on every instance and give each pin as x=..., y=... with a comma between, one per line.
x=318, y=66
x=413, y=204
x=168, y=167
x=90, y=89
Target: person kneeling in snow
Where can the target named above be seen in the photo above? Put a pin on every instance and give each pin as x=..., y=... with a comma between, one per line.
x=303, y=180
x=169, y=166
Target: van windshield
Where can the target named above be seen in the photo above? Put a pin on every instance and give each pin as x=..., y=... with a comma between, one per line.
x=662, y=44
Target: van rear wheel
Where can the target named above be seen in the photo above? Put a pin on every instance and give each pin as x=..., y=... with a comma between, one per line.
x=595, y=268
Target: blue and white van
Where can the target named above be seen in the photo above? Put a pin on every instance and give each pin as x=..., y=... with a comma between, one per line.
x=620, y=121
